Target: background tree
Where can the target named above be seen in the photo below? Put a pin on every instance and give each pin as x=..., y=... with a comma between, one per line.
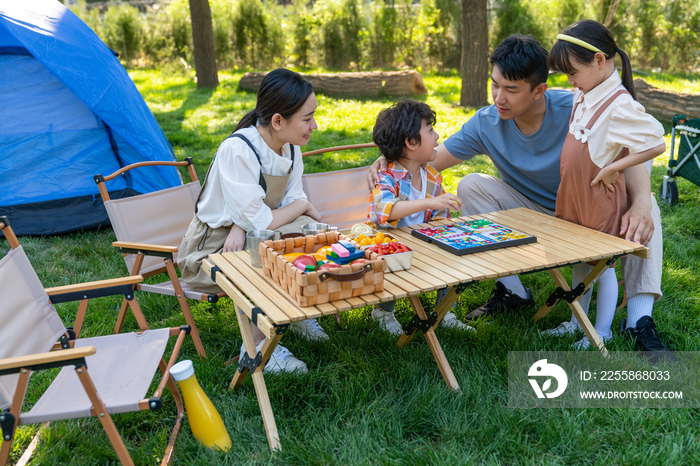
x=203, y=44
x=475, y=49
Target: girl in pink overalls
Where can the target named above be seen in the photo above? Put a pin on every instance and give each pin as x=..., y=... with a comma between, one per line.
x=609, y=131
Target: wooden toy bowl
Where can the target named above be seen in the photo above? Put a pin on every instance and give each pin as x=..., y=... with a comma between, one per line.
x=311, y=288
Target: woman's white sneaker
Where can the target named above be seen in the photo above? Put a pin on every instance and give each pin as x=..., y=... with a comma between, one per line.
x=564, y=329
x=309, y=329
x=281, y=360
x=387, y=321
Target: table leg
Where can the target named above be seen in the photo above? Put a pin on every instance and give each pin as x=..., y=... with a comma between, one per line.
x=258, y=378
x=432, y=340
x=441, y=310
x=588, y=281
x=576, y=308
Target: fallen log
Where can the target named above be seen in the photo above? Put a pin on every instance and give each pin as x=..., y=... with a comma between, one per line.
x=664, y=104
x=363, y=84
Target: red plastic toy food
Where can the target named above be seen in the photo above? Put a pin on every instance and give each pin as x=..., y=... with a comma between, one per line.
x=389, y=248
x=304, y=261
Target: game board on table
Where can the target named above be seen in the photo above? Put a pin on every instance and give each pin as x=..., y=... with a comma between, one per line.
x=473, y=236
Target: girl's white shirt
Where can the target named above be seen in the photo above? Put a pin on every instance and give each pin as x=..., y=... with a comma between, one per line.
x=233, y=194
x=623, y=124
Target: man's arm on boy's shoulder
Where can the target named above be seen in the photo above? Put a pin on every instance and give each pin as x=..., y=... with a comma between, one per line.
x=637, y=223
x=444, y=159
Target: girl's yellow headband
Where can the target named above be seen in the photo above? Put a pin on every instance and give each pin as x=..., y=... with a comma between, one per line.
x=576, y=41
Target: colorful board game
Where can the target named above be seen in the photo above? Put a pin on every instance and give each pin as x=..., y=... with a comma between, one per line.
x=473, y=236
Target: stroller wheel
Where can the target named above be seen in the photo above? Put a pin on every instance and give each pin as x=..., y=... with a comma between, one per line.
x=671, y=196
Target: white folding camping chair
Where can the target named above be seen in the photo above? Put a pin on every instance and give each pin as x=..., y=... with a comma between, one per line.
x=100, y=376
x=339, y=196
x=149, y=229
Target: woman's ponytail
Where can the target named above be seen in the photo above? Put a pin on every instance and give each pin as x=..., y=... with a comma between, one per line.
x=249, y=119
x=627, y=79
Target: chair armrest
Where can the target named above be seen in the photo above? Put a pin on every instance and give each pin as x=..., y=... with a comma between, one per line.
x=144, y=248
x=89, y=290
x=45, y=360
x=131, y=280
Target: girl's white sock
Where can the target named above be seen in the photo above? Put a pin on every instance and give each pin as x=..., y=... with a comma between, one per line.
x=514, y=285
x=639, y=306
x=607, y=301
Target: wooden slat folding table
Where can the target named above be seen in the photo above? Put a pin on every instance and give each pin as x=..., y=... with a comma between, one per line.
x=559, y=243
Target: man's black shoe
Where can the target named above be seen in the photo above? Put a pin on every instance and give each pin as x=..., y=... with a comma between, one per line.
x=647, y=340
x=502, y=299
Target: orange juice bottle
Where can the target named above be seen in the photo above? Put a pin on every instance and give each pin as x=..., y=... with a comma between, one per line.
x=205, y=421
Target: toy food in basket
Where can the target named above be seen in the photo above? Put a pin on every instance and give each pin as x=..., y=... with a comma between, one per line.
x=397, y=259
x=397, y=255
x=325, y=283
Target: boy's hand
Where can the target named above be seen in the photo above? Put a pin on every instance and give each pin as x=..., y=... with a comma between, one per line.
x=373, y=174
x=607, y=176
x=445, y=201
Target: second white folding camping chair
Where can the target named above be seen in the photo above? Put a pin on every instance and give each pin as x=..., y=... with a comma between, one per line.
x=149, y=229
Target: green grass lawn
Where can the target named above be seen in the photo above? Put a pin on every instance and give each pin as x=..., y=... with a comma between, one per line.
x=364, y=401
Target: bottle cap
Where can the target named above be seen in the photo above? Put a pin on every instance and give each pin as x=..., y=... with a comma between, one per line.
x=182, y=370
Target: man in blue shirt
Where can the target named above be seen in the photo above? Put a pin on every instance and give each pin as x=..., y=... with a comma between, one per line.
x=522, y=134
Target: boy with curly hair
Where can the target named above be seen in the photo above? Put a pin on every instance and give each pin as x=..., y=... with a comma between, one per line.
x=410, y=190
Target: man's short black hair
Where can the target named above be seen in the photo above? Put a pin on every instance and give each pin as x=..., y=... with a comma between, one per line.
x=399, y=122
x=521, y=57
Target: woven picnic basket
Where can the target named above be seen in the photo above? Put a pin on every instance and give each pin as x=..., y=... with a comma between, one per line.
x=319, y=287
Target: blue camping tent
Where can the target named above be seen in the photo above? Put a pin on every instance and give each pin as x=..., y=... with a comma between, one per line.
x=68, y=111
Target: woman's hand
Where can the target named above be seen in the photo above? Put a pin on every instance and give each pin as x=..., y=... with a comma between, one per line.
x=373, y=174
x=607, y=176
x=235, y=241
x=445, y=201
x=312, y=212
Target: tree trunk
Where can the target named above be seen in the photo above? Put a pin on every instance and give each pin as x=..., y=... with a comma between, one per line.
x=475, y=49
x=203, y=43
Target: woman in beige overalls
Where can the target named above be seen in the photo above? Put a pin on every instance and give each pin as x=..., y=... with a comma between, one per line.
x=254, y=183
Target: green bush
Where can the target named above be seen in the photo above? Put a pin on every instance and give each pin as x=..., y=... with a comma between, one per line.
x=90, y=17
x=355, y=34
x=444, y=39
x=682, y=36
x=341, y=24
x=222, y=22
x=513, y=17
x=302, y=27
x=122, y=31
x=385, y=37
x=169, y=35
x=257, y=34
